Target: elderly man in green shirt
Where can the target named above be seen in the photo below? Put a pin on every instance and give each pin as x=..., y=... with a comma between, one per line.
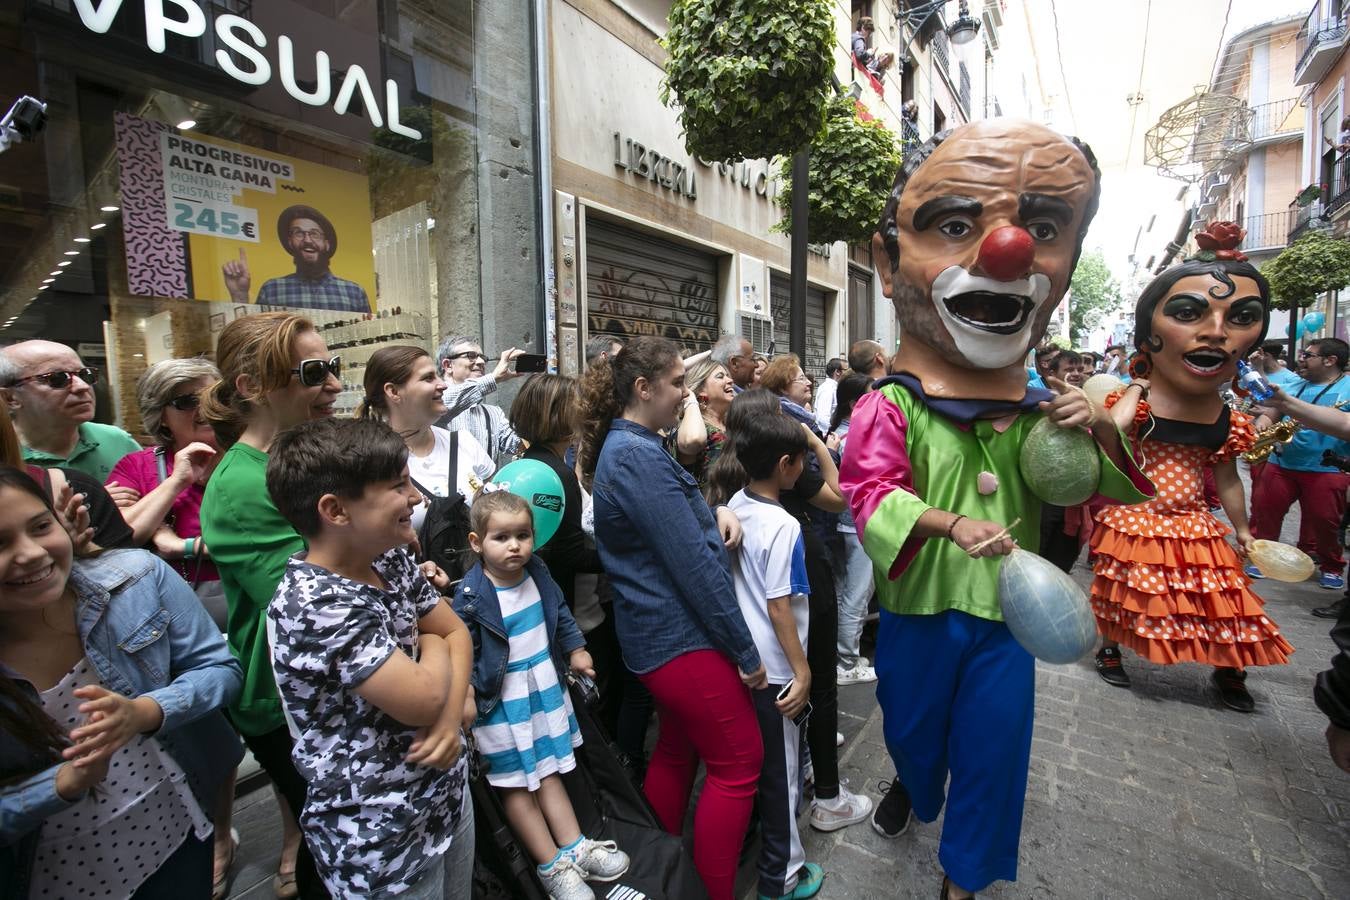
x=49, y=392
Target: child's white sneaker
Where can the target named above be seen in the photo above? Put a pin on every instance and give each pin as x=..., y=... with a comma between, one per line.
x=564, y=881
x=599, y=860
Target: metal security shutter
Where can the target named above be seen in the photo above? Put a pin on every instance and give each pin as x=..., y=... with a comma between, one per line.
x=780, y=303
x=641, y=285
x=758, y=330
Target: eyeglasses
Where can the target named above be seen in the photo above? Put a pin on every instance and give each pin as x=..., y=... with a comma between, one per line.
x=802, y=379
x=469, y=354
x=313, y=234
x=186, y=402
x=314, y=372
x=59, y=381
x=1308, y=354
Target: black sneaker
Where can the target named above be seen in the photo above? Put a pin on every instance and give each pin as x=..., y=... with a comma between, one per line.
x=1233, y=689
x=1110, y=667
x=1331, y=611
x=891, y=817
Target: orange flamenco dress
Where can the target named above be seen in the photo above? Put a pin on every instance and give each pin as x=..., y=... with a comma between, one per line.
x=1167, y=583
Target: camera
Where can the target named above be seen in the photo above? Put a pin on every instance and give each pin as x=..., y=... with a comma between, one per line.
x=1332, y=458
x=24, y=121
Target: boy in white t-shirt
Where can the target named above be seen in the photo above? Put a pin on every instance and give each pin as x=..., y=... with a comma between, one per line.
x=769, y=571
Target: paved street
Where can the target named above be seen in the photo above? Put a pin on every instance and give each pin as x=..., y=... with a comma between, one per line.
x=1154, y=792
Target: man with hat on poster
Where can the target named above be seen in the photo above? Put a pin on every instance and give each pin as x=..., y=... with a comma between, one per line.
x=309, y=237
x=976, y=248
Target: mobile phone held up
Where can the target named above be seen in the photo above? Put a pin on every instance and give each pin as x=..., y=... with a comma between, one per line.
x=531, y=362
x=800, y=719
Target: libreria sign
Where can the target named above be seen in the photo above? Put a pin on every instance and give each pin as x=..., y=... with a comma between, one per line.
x=247, y=64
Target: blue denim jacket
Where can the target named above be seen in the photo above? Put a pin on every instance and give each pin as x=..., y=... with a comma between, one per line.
x=664, y=556
x=476, y=603
x=146, y=635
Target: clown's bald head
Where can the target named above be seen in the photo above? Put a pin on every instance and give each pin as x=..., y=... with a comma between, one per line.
x=982, y=231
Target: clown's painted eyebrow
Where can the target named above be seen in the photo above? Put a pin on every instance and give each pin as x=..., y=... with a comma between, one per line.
x=932, y=210
x=1037, y=206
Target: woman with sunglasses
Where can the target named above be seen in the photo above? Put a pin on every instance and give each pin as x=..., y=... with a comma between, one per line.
x=275, y=372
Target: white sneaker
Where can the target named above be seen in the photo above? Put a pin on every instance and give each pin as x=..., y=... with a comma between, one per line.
x=564, y=881
x=845, y=810
x=599, y=860
x=839, y=739
x=859, y=674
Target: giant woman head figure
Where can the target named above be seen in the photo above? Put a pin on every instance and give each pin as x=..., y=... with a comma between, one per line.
x=976, y=247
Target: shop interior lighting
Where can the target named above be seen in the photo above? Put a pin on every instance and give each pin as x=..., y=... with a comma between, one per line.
x=109, y=208
x=82, y=240
x=64, y=262
x=98, y=226
x=44, y=287
x=54, y=272
x=72, y=253
x=48, y=280
x=186, y=124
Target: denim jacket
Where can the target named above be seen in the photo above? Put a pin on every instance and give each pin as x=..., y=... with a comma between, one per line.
x=664, y=556
x=146, y=635
x=476, y=604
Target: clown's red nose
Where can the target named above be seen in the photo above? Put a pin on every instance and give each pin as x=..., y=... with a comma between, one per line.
x=1007, y=253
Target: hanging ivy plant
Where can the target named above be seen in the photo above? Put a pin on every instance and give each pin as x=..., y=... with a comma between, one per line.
x=750, y=77
x=853, y=166
x=1308, y=268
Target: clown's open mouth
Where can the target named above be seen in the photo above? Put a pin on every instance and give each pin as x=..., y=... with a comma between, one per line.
x=1205, y=362
x=987, y=311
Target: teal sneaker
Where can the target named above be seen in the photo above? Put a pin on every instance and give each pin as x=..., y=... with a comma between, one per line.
x=810, y=877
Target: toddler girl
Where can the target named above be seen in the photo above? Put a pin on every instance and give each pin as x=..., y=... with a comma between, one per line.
x=525, y=728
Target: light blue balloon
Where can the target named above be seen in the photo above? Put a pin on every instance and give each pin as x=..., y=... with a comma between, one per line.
x=1314, y=321
x=1046, y=611
x=1301, y=330
x=541, y=488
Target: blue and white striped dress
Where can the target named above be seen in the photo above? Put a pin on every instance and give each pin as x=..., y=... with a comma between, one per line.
x=531, y=731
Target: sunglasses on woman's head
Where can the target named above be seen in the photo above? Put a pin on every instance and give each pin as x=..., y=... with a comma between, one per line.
x=60, y=380
x=185, y=402
x=314, y=372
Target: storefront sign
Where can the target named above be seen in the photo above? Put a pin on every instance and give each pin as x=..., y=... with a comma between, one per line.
x=244, y=61
x=207, y=219
x=654, y=166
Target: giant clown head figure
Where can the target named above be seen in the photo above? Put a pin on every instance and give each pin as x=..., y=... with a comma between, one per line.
x=976, y=247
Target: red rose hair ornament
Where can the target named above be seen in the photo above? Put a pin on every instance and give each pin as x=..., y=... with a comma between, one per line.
x=1219, y=240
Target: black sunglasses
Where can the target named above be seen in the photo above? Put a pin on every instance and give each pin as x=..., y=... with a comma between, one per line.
x=314, y=372
x=185, y=402
x=61, y=380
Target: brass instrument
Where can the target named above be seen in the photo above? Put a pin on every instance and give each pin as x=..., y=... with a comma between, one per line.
x=1282, y=432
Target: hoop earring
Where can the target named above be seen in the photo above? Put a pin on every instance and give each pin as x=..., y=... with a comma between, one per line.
x=1238, y=389
x=1141, y=364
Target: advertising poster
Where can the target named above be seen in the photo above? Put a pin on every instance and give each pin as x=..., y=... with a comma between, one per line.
x=207, y=219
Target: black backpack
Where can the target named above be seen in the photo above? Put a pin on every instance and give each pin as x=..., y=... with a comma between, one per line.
x=444, y=535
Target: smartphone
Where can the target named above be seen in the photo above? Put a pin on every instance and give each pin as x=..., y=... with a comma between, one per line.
x=800, y=718
x=531, y=362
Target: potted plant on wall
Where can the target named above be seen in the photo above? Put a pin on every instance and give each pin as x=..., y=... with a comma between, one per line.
x=750, y=78
x=1309, y=194
x=853, y=166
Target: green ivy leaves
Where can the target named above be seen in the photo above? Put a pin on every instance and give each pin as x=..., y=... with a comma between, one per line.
x=853, y=166
x=1311, y=266
x=750, y=77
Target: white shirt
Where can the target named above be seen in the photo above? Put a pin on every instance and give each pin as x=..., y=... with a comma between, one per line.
x=432, y=471
x=824, y=403
x=770, y=564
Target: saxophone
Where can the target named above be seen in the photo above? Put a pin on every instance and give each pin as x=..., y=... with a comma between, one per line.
x=1282, y=432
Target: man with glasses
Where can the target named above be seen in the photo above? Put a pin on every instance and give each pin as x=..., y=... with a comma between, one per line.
x=467, y=385
x=311, y=240
x=49, y=392
x=1295, y=470
x=738, y=357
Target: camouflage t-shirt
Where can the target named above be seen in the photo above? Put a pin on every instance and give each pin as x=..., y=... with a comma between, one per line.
x=373, y=821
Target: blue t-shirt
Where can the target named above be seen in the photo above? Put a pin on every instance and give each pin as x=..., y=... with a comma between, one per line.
x=1034, y=379
x=1284, y=378
x=1304, y=452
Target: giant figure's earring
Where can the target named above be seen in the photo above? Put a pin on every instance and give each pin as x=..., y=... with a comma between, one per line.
x=1141, y=364
x=1238, y=389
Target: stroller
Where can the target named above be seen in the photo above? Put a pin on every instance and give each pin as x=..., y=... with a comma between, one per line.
x=608, y=807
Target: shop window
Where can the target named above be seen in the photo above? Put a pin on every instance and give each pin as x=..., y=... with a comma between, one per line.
x=183, y=195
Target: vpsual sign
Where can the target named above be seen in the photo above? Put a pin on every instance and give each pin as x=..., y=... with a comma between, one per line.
x=245, y=62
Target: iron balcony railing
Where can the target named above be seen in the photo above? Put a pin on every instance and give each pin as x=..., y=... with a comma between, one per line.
x=1275, y=118
x=909, y=134
x=1305, y=217
x=1267, y=232
x=1336, y=194
x=1316, y=30
x=941, y=55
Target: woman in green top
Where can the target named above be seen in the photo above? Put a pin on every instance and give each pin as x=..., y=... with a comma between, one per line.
x=276, y=372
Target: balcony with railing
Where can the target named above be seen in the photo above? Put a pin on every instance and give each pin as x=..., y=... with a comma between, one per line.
x=963, y=91
x=1317, y=45
x=909, y=134
x=1276, y=119
x=1267, y=232
x=942, y=53
x=1304, y=218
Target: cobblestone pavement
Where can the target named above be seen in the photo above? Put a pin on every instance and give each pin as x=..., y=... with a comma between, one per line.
x=1158, y=791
